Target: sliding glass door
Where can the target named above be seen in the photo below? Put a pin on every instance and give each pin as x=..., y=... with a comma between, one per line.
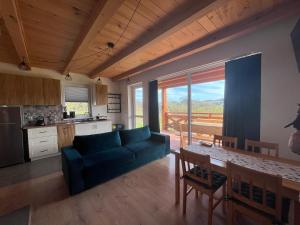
x=207, y=101
x=173, y=101
x=191, y=106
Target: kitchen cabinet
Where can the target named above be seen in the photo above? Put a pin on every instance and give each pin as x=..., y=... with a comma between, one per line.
x=42, y=142
x=23, y=90
x=51, y=92
x=33, y=91
x=96, y=127
x=101, y=92
x=12, y=90
x=66, y=133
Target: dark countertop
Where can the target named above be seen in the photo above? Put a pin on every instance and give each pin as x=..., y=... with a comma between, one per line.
x=62, y=123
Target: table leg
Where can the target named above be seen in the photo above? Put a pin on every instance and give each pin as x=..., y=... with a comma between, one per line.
x=296, y=212
x=177, y=179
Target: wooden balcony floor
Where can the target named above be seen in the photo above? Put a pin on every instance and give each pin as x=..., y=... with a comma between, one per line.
x=175, y=138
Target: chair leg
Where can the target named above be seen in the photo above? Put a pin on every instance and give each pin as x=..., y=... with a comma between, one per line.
x=224, y=203
x=184, y=197
x=210, y=209
x=230, y=217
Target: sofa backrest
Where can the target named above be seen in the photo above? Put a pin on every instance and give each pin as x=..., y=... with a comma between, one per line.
x=97, y=142
x=135, y=135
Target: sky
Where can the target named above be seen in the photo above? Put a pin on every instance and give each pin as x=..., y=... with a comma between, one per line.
x=200, y=92
x=204, y=91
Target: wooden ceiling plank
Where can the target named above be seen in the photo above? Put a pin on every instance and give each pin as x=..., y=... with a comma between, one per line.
x=248, y=25
x=14, y=25
x=99, y=17
x=173, y=22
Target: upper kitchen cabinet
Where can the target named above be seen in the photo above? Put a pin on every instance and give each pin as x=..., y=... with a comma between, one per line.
x=33, y=91
x=101, y=94
x=12, y=90
x=51, y=92
x=23, y=90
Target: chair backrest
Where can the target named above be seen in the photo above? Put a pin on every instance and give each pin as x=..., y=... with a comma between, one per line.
x=196, y=166
x=183, y=137
x=256, y=189
x=225, y=141
x=265, y=148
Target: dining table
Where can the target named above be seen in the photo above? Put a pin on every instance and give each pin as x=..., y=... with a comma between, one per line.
x=288, y=169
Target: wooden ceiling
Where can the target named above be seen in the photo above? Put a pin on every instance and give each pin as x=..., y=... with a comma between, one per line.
x=72, y=35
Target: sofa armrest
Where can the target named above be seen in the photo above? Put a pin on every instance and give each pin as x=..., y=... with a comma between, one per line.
x=162, y=138
x=72, y=166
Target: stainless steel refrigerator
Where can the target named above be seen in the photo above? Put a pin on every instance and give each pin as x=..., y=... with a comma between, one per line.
x=11, y=136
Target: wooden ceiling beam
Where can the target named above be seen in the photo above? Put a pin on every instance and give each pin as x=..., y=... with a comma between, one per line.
x=246, y=26
x=10, y=13
x=170, y=24
x=101, y=14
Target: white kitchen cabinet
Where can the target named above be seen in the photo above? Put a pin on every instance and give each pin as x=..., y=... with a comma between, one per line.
x=96, y=127
x=42, y=142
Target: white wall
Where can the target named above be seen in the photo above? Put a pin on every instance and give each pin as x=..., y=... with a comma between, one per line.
x=280, y=77
x=77, y=79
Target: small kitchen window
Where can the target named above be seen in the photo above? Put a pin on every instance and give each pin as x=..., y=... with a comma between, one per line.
x=77, y=99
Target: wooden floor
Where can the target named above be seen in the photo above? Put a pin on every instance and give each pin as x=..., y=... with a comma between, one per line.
x=142, y=197
x=26, y=171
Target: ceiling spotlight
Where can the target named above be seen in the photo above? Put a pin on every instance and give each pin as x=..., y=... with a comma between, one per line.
x=23, y=65
x=110, y=45
x=68, y=77
x=99, y=81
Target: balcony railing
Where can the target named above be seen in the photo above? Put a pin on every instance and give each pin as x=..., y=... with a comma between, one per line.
x=204, y=126
x=172, y=121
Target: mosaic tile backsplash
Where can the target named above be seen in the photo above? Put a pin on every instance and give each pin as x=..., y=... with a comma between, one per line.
x=51, y=114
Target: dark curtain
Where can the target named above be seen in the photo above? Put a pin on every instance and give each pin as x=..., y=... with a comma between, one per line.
x=153, y=106
x=242, y=98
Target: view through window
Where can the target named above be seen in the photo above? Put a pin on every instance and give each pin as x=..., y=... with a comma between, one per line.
x=138, y=107
x=77, y=100
x=207, y=103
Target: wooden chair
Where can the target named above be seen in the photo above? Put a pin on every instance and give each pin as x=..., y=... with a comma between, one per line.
x=198, y=175
x=225, y=141
x=254, y=194
x=183, y=129
x=265, y=148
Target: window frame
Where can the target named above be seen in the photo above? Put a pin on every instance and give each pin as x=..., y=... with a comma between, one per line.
x=89, y=98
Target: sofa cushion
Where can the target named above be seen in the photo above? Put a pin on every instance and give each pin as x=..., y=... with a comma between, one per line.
x=112, y=157
x=135, y=135
x=97, y=142
x=144, y=148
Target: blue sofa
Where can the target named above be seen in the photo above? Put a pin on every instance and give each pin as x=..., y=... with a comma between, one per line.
x=94, y=159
